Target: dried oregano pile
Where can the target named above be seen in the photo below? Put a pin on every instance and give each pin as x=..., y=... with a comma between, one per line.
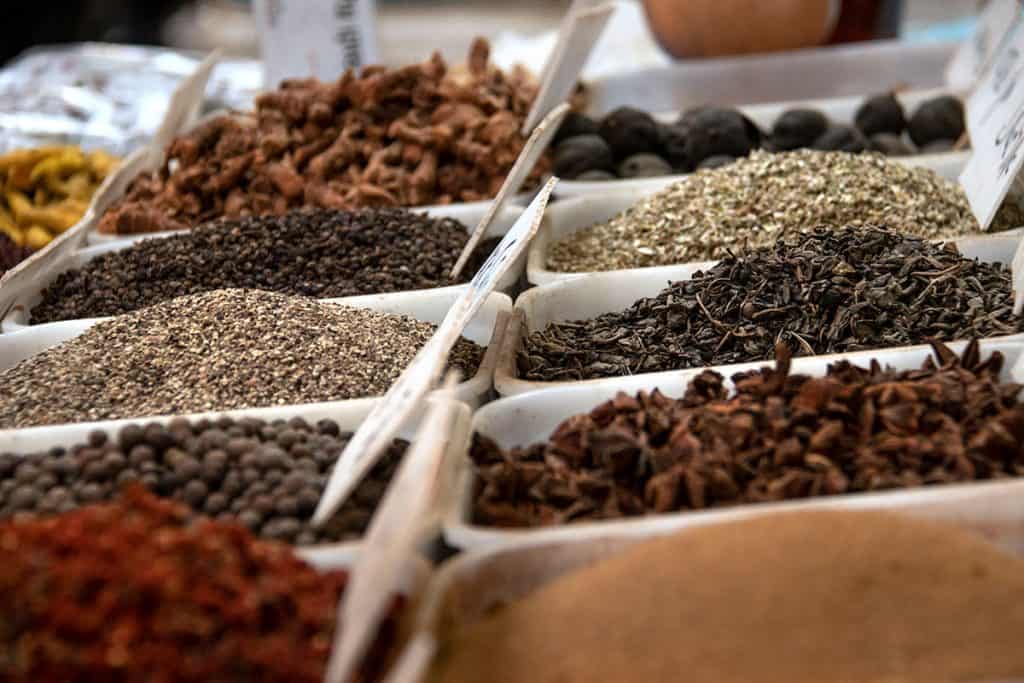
x=824, y=291
x=224, y=349
x=318, y=253
x=757, y=200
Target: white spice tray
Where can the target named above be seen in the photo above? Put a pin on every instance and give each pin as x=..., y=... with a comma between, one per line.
x=30, y=294
x=568, y=216
x=347, y=414
x=852, y=70
x=529, y=418
x=580, y=298
x=487, y=328
x=839, y=110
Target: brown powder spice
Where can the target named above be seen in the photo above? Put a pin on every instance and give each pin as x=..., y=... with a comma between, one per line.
x=811, y=597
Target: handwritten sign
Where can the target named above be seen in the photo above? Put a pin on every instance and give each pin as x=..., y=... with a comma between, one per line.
x=975, y=53
x=534, y=147
x=577, y=36
x=995, y=121
x=391, y=538
x=318, y=38
x=393, y=409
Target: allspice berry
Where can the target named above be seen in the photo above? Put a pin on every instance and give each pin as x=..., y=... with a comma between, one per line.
x=880, y=114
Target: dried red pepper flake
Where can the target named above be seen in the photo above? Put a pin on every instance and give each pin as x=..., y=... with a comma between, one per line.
x=142, y=590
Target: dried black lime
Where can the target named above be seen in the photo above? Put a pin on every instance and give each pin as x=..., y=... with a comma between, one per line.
x=575, y=124
x=842, y=138
x=713, y=131
x=797, y=128
x=890, y=144
x=629, y=131
x=644, y=166
x=582, y=153
x=940, y=118
x=880, y=114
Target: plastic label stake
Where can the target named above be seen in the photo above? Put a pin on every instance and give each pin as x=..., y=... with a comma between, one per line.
x=318, y=38
x=391, y=538
x=391, y=411
x=582, y=26
x=975, y=53
x=995, y=121
x=532, y=150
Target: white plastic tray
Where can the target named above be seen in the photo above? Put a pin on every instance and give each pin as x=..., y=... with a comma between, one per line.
x=579, y=298
x=348, y=414
x=853, y=70
x=530, y=418
x=17, y=316
x=429, y=305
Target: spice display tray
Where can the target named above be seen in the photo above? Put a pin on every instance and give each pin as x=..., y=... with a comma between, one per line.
x=17, y=316
x=487, y=328
x=348, y=414
x=854, y=70
x=530, y=418
x=578, y=298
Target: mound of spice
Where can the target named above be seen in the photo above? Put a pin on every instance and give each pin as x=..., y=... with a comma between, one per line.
x=758, y=200
x=267, y=475
x=139, y=590
x=824, y=291
x=810, y=597
x=418, y=135
x=230, y=348
x=780, y=437
x=318, y=253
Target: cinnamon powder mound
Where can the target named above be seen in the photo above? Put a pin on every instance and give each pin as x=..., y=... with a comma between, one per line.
x=851, y=597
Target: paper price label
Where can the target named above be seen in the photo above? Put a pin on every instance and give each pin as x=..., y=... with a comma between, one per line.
x=387, y=417
x=974, y=54
x=391, y=538
x=183, y=106
x=995, y=120
x=582, y=26
x=318, y=38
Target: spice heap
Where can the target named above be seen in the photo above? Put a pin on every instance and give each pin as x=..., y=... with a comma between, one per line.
x=10, y=253
x=267, y=475
x=422, y=134
x=230, y=348
x=765, y=197
x=825, y=291
x=779, y=437
x=630, y=143
x=813, y=597
x=317, y=253
x=137, y=590
x=47, y=190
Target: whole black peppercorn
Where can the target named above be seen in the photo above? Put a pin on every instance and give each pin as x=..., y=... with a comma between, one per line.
x=797, y=128
x=97, y=438
x=329, y=427
x=575, y=124
x=842, y=138
x=580, y=154
x=940, y=118
x=714, y=131
x=195, y=493
x=215, y=504
x=629, y=131
x=644, y=166
x=141, y=453
x=130, y=436
x=880, y=114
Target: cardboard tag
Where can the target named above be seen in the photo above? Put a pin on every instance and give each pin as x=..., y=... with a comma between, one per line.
x=577, y=36
x=995, y=121
x=318, y=38
x=531, y=152
x=975, y=53
x=184, y=105
x=391, y=411
x=391, y=538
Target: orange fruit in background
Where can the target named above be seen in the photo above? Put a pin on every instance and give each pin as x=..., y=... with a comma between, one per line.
x=711, y=28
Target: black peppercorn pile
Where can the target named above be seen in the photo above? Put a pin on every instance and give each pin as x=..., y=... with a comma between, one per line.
x=267, y=475
x=825, y=291
x=317, y=253
x=629, y=143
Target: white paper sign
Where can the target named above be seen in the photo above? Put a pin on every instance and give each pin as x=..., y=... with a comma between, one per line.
x=974, y=54
x=581, y=27
x=319, y=38
x=390, y=413
x=995, y=120
x=391, y=539
x=531, y=152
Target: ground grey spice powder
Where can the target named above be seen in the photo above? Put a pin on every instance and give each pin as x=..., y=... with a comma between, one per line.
x=755, y=201
x=224, y=349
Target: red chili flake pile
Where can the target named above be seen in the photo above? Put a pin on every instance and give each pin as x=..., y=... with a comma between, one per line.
x=140, y=590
